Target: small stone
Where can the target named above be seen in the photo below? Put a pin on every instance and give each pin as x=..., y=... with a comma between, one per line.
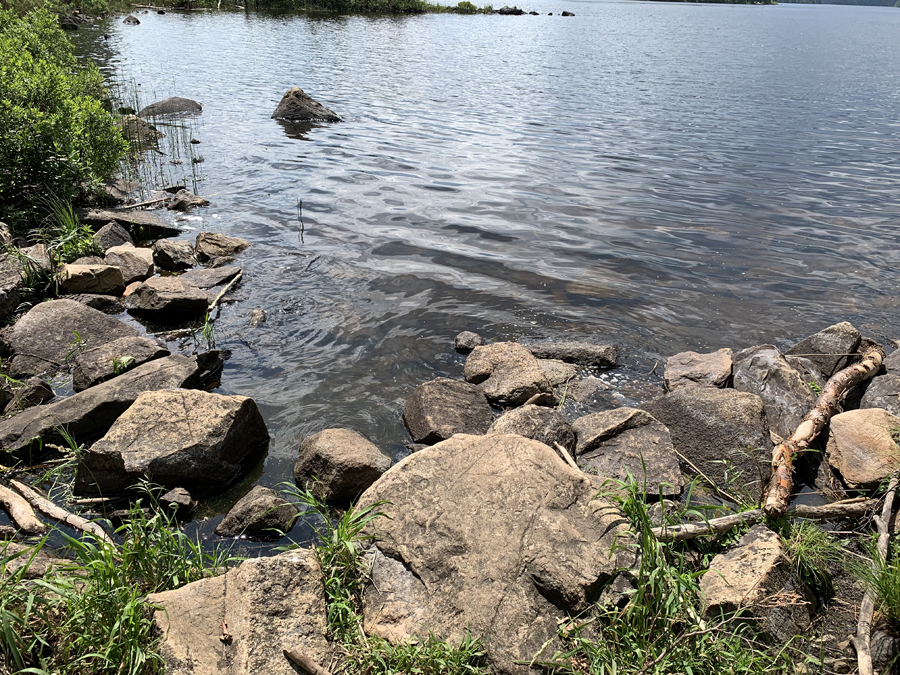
x=184, y=200
x=297, y=106
x=112, y=234
x=260, y=513
x=467, y=341
x=828, y=348
x=173, y=256
x=568, y=14
x=339, y=464
x=179, y=500
x=443, y=407
x=584, y=390
x=861, y=446
x=100, y=279
x=538, y=423
x=257, y=317
x=706, y=370
x=508, y=373
x=557, y=372
x=212, y=245
x=136, y=263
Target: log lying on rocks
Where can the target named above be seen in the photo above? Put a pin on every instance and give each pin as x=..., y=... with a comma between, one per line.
x=51, y=510
x=781, y=485
x=20, y=512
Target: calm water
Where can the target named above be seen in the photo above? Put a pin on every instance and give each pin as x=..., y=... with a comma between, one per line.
x=665, y=176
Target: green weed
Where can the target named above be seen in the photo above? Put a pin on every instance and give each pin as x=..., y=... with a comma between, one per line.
x=812, y=551
x=882, y=579
x=817, y=390
x=121, y=364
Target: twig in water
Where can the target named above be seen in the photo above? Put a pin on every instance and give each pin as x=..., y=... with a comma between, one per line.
x=653, y=369
x=221, y=295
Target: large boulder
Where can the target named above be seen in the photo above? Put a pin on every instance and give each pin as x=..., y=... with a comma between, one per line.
x=297, y=106
x=581, y=353
x=259, y=513
x=722, y=431
x=168, y=299
x=828, y=348
x=112, y=234
x=212, y=245
x=176, y=437
x=46, y=335
x=173, y=255
x=90, y=413
x=443, y=407
x=862, y=447
x=692, y=368
x=786, y=395
x=883, y=392
x=541, y=424
x=174, y=105
x=339, y=464
x=508, y=373
x=266, y=603
x=103, y=279
x=136, y=263
x=616, y=443
x=494, y=536
x=99, y=364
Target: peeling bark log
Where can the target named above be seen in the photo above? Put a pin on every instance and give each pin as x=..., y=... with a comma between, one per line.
x=51, y=510
x=20, y=512
x=782, y=483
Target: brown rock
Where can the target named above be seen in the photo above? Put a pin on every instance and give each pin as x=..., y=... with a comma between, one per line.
x=557, y=372
x=212, y=245
x=443, y=407
x=136, y=263
x=338, y=464
x=706, y=370
x=184, y=200
x=467, y=341
x=259, y=513
x=861, y=446
x=541, y=424
x=508, y=373
x=581, y=353
x=297, y=106
x=168, y=298
x=140, y=133
x=97, y=365
x=102, y=279
x=173, y=255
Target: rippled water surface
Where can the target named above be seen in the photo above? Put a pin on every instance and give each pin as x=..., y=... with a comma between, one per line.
x=664, y=176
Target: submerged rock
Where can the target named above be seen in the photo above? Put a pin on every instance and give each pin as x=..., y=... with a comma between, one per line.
x=140, y=133
x=828, y=348
x=862, y=446
x=691, y=368
x=338, y=464
x=508, y=373
x=184, y=200
x=213, y=245
x=174, y=105
x=102, y=363
x=443, y=407
x=210, y=277
x=297, y=106
x=541, y=424
x=131, y=20
x=257, y=317
x=259, y=513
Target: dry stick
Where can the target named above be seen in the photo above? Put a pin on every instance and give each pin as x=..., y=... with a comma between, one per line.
x=305, y=663
x=50, y=509
x=20, y=512
x=828, y=404
x=221, y=295
x=851, y=508
x=149, y=202
x=863, y=640
x=715, y=487
x=566, y=456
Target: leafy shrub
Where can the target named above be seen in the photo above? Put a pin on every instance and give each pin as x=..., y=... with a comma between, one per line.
x=466, y=7
x=55, y=135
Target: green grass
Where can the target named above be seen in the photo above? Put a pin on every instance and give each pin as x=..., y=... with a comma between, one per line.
x=812, y=551
x=882, y=579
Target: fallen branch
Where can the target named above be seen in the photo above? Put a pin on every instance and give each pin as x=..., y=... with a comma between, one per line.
x=51, y=510
x=305, y=663
x=863, y=640
x=566, y=456
x=221, y=295
x=20, y=512
x=781, y=485
x=149, y=202
x=851, y=508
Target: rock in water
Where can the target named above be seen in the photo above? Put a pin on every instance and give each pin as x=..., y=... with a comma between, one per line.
x=259, y=513
x=494, y=535
x=861, y=446
x=297, y=106
x=467, y=341
x=213, y=245
x=140, y=133
x=541, y=424
x=338, y=464
x=580, y=353
x=184, y=200
x=171, y=106
x=443, y=407
x=508, y=373
x=131, y=20
x=706, y=370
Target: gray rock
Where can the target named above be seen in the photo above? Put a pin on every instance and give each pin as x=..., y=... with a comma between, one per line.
x=544, y=425
x=891, y=362
x=35, y=392
x=691, y=368
x=508, y=373
x=112, y=234
x=19, y=555
x=179, y=500
x=259, y=513
x=107, y=304
x=297, y=106
x=6, y=394
x=102, y=363
x=722, y=431
x=90, y=413
x=131, y=21
x=467, y=341
x=443, y=407
x=43, y=338
x=212, y=245
x=173, y=256
x=861, y=446
x=826, y=348
x=338, y=464
x=184, y=200
x=91, y=278
x=557, y=372
x=136, y=264
x=89, y=260
x=809, y=371
x=786, y=396
x=175, y=437
x=885, y=648
x=616, y=443
x=581, y=353
x=168, y=299
x=12, y=283
x=586, y=389
x=883, y=392
x=208, y=278
x=492, y=535
x=269, y=603
x=510, y=11
x=257, y=317
x=140, y=133
x=171, y=106
x=141, y=224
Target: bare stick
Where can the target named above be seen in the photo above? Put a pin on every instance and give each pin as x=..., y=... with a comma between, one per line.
x=50, y=509
x=715, y=487
x=221, y=295
x=20, y=512
x=149, y=202
x=566, y=456
x=305, y=663
x=863, y=640
x=780, y=487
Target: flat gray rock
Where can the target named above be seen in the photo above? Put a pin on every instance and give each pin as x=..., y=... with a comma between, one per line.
x=174, y=105
x=883, y=392
x=581, y=353
x=97, y=365
x=260, y=513
x=297, y=106
x=557, y=372
x=209, y=277
x=828, y=348
x=692, y=368
x=141, y=225
x=539, y=423
x=168, y=299
x=443, y=407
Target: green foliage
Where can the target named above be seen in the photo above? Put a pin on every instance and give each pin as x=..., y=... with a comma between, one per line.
x=817, y=390
x=66, y=238
x=466, y=7
x=882, y=579
x=431, y=656
x=55, y=135
x=121, y=363
x=812, y=551
x=76, y=346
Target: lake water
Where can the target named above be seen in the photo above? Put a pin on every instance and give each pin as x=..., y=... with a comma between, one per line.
x=663, y=176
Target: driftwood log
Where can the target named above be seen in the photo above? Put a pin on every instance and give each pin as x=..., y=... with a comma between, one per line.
x=51, y=510
x=305, y=663
x=20, y=512
x=850, y=508
x=863, y=640
x=781, y=485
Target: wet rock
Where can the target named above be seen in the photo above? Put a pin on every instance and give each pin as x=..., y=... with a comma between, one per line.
x=168, y=299
x=112, y=234
x=752, y=576
x=586, y=389
x=140, y=133
x=861, y=446
x=43, y=338
x=883, y=392
x=338, y=464
x=212, y=245
x=494, y=535
x=107, y=304
x=184, y=200
x=90, y=413
x=827, y=347
x=176, y=437
x=467, y=341
x=141, y=224
x=136, y=263
x=259, y=513
x=544, y=425
x=171, y=106
x=131, y=20
x=443, y=407
x=100, y=279
x=580, y=353
x=208, y=278
x=691, y=368
x=257, y=317
x=173, y=256
x=508, y=373
x=557, y=372
x=722, y=431
x=510, y=11
x=102, y=363
x=297, y=106
x=616, y=443
x=35, y=392
x=786, y=396
x=567, y=14
x=179, y=500
x=269, y=603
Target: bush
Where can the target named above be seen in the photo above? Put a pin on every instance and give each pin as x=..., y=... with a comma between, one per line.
x=55, y=136
x=466, y=7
